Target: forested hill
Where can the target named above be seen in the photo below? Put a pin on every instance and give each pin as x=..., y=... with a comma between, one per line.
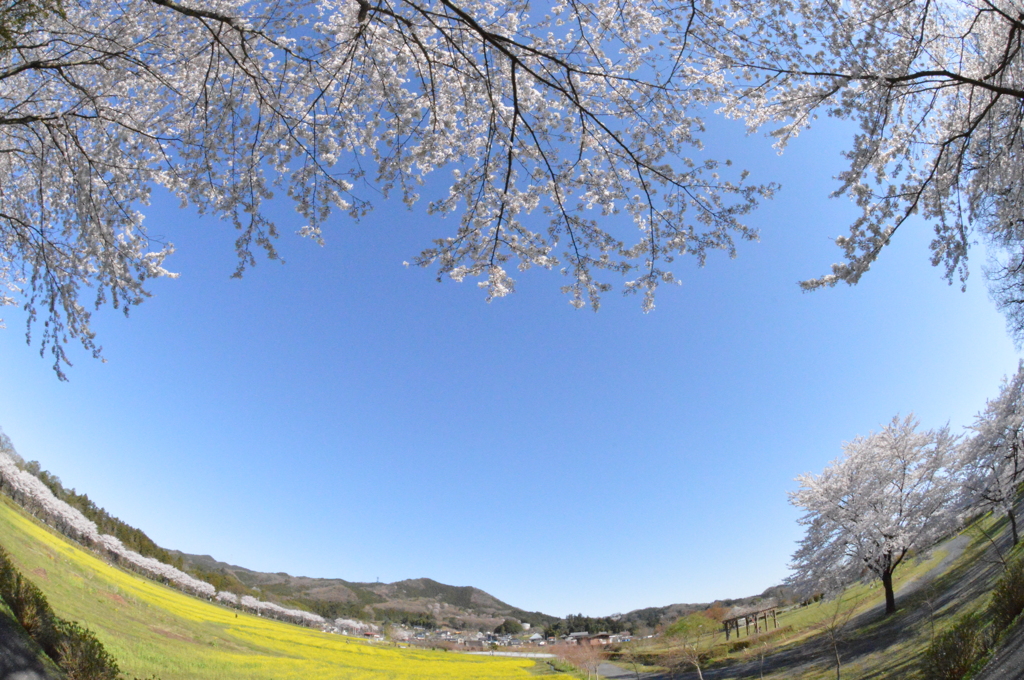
x=424, y=601
x=421, y=601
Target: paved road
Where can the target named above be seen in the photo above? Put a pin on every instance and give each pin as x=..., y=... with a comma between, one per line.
x=613, y=672
x=811, y=652
x=524, y=655
x=1008, y=664
x=17, y=657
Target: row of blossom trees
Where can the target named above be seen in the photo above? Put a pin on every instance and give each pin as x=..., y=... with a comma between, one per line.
x=993, y=465
x=899, y=490
x=38, y=500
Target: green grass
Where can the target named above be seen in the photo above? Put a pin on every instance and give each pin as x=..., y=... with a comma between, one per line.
x=895, y=643
x=153, y=630
x=903, y=640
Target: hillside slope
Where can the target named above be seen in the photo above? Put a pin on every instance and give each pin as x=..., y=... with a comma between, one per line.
x=458, y=606
x=153, y=630
x=417, y=602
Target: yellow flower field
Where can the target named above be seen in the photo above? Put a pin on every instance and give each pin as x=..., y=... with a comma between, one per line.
x=153, y=630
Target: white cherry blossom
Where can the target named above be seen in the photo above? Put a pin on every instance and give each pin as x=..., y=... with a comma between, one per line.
x=892, y=492
x=557, y=125
x=993, y=459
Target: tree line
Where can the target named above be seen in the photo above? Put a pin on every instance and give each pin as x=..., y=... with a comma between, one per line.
x=39, y=500
x=578, y=623
x=130, y=537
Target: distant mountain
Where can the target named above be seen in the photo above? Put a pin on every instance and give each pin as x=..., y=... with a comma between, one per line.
x=426, y=602
x=420, y=601
x=650, y=618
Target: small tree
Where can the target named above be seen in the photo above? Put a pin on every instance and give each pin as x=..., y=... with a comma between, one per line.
x=636, y=653
x=834, y=626
x=761, y=649
x=890, y=493
x=694, y=634
x=717, y=611
x=583, y=656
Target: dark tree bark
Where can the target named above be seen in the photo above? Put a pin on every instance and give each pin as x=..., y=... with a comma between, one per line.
x=890, y=596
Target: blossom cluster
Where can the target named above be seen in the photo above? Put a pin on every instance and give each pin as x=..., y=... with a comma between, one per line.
x=567, y=140
x=35, y=497
x=891, y=493
x=899, y=490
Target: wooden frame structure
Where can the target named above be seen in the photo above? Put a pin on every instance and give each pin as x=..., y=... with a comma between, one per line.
x=733, y=624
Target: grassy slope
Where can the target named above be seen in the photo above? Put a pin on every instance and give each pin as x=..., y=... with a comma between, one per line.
x=873, y=647
x=154, y=630
x=805, y=622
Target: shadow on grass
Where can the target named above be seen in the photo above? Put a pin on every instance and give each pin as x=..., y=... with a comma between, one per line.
x=879, y=646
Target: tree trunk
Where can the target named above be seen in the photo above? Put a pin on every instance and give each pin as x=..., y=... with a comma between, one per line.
x=1013, y=526
x=890, y=597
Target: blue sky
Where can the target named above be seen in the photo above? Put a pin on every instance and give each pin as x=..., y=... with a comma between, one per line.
x=344, y=416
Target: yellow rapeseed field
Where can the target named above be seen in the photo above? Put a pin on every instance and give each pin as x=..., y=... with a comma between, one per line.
x=156, y=631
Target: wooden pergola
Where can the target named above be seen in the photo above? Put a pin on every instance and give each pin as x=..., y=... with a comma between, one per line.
x=755, y=616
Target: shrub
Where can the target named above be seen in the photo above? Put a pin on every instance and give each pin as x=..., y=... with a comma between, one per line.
x=509, y=627
x=953, y=653
x=31, y=609
x=740, y=645
x=73, y=647
x=1008, y=595
x=81, y=656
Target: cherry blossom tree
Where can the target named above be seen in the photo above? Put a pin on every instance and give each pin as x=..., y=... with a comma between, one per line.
x=891, y=492
x=936, y=89
x=994, y=457
x=224, y=597
x=547, y=118
x=37, y=498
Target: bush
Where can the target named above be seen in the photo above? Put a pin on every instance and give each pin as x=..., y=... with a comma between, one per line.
x=509, y=627
x=1008, y=596
x=30, y=608
x=741, y=645
x=74, y=648
x=81, y=656
x=953, y=653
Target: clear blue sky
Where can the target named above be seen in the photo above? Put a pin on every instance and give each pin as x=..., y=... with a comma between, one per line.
x=344, y=416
